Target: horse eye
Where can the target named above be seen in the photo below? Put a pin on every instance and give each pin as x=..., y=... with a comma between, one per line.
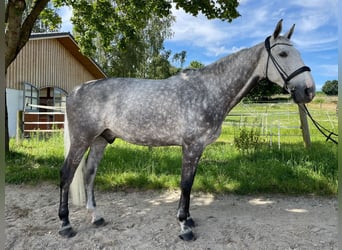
x=283, y=54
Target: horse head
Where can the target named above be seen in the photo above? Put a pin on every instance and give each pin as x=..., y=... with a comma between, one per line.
x=285, y=67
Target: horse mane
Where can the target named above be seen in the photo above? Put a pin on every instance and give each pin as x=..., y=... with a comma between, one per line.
x=220, y=64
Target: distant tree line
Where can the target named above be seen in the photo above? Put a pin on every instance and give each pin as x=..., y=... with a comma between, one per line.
x=264, y=90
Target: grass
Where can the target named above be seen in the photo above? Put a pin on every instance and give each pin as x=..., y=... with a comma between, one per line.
x=35, y=160
x=288, y=169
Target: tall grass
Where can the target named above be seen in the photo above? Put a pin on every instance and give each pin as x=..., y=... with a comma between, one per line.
x=35, y=160
x=224, y=168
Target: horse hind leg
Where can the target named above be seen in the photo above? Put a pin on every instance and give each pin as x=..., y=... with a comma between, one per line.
x=76, y=152
x=94, y=157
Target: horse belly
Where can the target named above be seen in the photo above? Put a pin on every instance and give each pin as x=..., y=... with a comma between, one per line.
x=157, y=133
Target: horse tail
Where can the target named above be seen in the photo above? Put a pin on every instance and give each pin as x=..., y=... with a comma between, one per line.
x=77, y=189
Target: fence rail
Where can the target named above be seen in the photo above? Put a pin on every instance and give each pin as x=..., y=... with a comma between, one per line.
x=49, y=121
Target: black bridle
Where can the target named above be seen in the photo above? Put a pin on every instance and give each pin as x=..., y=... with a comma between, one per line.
x=286, y=78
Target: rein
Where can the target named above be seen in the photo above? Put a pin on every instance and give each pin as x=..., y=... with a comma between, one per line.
x=320, y=128
x=286, y=78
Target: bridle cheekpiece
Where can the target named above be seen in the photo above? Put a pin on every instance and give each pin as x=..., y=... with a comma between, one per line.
x=286, y=78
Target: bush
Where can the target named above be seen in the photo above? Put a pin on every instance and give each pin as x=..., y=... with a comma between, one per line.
x=330, y=87
x=248, y=140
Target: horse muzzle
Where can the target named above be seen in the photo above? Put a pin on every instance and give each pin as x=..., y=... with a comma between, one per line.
x=303, y=95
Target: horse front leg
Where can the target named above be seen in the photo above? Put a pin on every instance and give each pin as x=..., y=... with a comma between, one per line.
x=191, y=156
x=94, y=157
x=67, y=172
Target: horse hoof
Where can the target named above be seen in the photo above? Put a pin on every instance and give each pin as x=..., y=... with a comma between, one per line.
x=187, y=236
x=67, y=232
x=99, y=223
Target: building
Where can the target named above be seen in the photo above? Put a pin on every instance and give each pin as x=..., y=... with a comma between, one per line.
x=48, y=67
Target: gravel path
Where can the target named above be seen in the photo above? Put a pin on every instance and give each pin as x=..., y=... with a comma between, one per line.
x=146, y=220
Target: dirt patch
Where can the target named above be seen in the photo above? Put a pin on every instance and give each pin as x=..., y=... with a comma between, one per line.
x=146, y=220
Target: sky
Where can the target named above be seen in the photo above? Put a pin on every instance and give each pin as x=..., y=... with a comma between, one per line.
x=315, y=35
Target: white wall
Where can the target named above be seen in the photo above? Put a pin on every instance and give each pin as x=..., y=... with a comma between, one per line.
x=14, y=104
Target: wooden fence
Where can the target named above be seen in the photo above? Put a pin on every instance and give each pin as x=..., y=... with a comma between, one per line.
x=48, y=120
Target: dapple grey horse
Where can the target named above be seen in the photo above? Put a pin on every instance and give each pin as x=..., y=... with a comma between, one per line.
x=186, y=110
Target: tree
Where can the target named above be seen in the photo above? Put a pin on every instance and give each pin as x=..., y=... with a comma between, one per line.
x=221, y=9
x=264, y=90
x=330, y=87
x=134, y=50
x=138, y=53
x=18, y=26
x=196, y=65
x=160, y=66
x=47, y=21
x=179, y=57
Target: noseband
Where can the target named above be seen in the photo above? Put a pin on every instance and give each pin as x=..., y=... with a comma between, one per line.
x=286, y=78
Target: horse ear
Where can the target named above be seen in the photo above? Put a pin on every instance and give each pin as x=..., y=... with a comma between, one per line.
x=278, y=29
x=290, y=32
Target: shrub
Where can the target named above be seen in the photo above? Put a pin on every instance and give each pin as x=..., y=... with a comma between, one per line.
x=330, y=87
x=248, y=140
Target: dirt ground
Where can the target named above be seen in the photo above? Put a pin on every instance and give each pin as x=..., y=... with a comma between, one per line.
x=146, y=220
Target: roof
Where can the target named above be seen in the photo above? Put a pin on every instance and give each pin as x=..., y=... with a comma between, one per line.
x=68, y=41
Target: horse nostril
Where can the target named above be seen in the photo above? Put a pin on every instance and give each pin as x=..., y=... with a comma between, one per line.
x=309, y=92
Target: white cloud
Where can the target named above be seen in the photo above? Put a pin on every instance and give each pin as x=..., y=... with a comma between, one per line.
x=217, y=51
x=316, y=4
x=329, y=70
x=215, y=37
x=313, y=15
x=242, y=2
x=200, y=32
x=309, y=43
x=195, y=29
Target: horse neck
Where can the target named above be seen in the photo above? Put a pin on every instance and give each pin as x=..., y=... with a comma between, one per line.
x=233, y=76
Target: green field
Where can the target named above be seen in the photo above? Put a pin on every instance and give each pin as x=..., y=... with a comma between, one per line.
x=260, y=150
x=280, y=122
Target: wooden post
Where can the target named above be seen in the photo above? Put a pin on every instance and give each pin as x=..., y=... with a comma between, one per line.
x=304, y=125
x=2, y=124
x=20, y=126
